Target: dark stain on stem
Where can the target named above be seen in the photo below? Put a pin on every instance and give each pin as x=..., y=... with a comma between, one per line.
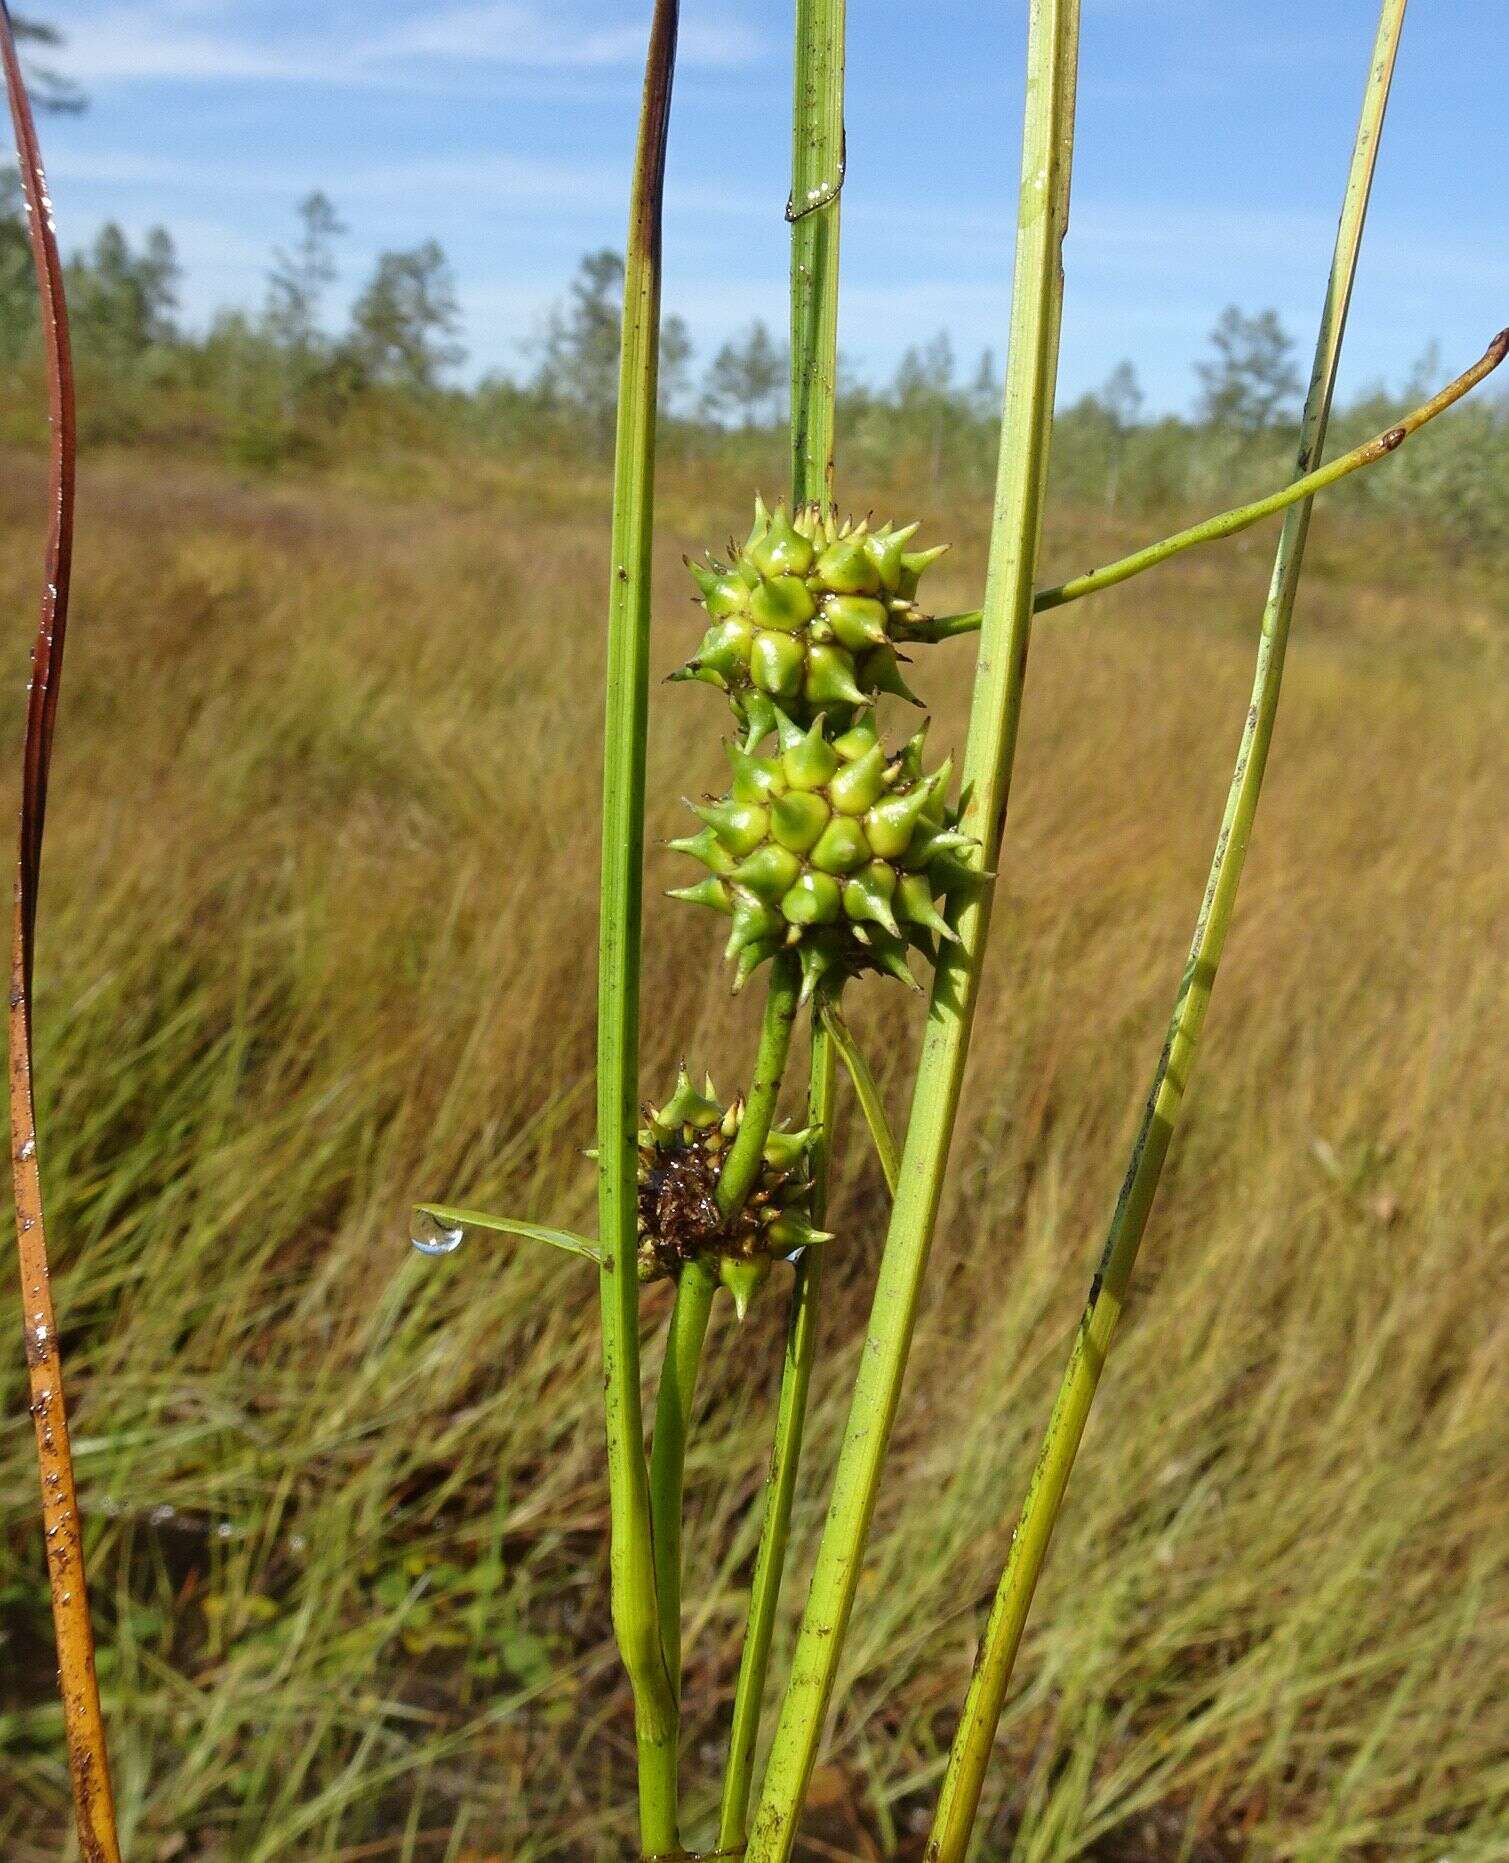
x=649, y=188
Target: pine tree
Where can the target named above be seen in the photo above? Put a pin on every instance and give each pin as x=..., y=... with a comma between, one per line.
x=49, y=88
x=1250, y=383
x=18, y=307
x=123, y=302
x=745, y=380
x=299, y=279
x=405, y=323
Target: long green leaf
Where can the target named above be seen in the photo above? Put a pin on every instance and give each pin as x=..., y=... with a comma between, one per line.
x=452, y=1216
x=959, y=1800
x=635, y=1613
x=866, y=1091
x=1047, y=148
x=817, y=177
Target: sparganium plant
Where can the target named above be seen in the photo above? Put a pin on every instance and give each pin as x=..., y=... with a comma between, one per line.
x=834, y=856
x=836, y=853
x=808, y=615
x=683, y=1147
x=832, y=847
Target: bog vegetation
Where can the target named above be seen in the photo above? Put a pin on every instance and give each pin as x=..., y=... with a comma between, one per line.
x=347, y=1504
x=323, y=910
x=284, y=386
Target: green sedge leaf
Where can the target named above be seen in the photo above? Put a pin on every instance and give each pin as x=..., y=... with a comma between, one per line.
x=455, y=1218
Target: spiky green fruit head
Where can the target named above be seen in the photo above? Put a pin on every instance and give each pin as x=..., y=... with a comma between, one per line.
x=807, y=615
x=682, y=1148
x=831, y=847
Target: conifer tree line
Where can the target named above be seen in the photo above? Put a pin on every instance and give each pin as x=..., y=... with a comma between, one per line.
x=404, y=331
x=287, y=377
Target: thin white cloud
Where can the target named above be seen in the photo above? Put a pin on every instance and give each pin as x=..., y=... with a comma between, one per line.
x=127, y=168
x=493, y=183
x=501, y=182
x=510, y=33
x=143, y=40
x=147, y=39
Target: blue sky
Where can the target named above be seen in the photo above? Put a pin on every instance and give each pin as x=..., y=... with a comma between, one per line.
x=1213, y=143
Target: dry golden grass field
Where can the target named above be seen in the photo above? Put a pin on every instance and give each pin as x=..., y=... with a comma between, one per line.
x=317, y=937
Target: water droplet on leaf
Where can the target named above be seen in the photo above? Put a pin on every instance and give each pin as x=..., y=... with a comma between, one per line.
x=432, y=1237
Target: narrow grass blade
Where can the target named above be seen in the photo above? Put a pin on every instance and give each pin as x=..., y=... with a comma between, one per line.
x=635, y=1614
x=867, y=1092
x=970, y=1755
x=83, y=1721
x=453, y=1217
x=1242, y=517
x=1047, y=148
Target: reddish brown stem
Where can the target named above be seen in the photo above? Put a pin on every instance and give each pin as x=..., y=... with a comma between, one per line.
x=82, y=1720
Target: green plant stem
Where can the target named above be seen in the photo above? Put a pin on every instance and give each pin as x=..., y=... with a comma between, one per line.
x=817, y=174
x=867, y=1092
x=959, y=1800
x=695, y=1288
x=742, y=1165
x=780, y=1485
x=632, y=1565
x=1242, y=517
x=1228, y=523
x=995, y=714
